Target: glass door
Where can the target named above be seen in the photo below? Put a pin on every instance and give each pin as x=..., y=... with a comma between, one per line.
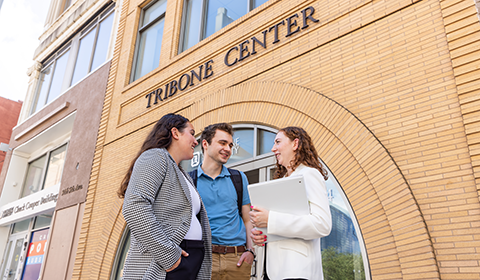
x=257, y=171
x=13, y=256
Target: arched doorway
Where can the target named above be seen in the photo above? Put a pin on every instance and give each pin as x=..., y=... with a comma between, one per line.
x=343, y=251
x=393, y=229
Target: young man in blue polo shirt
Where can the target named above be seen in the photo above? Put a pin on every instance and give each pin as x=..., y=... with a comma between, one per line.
x=232, y=249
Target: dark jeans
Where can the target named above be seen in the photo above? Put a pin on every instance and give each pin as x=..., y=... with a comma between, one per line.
x=189, y=266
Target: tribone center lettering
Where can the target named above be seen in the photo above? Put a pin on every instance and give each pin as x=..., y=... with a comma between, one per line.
x=185, y=81
x=292, y=24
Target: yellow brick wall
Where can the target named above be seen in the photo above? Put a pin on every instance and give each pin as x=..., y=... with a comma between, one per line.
x=463, y=36
x=389, y=91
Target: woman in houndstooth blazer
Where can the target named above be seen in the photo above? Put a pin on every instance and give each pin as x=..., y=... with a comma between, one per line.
x=170, y=233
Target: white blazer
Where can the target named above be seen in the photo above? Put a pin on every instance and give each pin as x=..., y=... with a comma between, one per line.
x=299, y=256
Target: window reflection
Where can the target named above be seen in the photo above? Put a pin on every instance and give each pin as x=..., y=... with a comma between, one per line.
x=93, y=49
x=103, y=40
x=83, y=57
x=154, y=11
x=62, y=71
x=243, y=143
x=58, y=74
x=265, y=141
x=192, y=24
x=150, y=41
x=341, y=253
x=55, y=166
x=243, y=147
x=124, y=247
x=42, y=221
x=221, y=13
x=196, y=161
x=34, y=176
x=21, y=226
x=43, y=86
x=259, y=2
x=149, y=49
x=202, y=18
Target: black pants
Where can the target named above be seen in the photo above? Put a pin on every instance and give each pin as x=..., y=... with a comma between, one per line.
x=189, y=266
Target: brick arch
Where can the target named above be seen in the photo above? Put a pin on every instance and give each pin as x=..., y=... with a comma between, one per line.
x=393, y=228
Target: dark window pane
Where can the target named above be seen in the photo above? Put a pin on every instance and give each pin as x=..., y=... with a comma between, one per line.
x=253, y=176
x=21, y=226
x=42, y=221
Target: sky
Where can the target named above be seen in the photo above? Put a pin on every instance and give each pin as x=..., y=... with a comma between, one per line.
x=21, y=24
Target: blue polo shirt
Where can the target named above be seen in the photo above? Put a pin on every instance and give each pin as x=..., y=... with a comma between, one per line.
x=220, y=199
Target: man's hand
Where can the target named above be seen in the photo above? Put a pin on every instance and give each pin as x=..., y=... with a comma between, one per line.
x=177, y=263
x=246, y=257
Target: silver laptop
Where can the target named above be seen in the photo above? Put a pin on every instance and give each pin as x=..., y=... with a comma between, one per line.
x=286, y=195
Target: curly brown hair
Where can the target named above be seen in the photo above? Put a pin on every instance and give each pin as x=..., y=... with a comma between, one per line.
x=305, y=154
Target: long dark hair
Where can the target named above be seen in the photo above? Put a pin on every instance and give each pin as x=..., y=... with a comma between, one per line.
x=305, y=153
x=159, y=137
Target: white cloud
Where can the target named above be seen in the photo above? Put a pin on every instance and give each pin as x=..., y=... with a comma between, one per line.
x=21, y=24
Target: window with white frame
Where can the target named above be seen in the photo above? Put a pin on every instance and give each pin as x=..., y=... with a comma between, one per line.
x=93, y=47
x=202, y=18
x=81, y=55
x=149, y=39
x=45, y=171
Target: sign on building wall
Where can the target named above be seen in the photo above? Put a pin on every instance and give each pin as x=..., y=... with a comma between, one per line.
x=29, y=206
x=35, y=254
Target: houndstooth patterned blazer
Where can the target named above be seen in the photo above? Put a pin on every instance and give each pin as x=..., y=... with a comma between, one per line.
x=158, y=210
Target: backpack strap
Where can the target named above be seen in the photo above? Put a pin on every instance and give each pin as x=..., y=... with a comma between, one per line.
x=236, y=178
x=237, y=181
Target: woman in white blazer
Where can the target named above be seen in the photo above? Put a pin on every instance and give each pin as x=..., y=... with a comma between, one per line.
x=299, y=255
x=170, y=232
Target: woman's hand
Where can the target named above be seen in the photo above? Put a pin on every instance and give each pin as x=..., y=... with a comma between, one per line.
x=258, y=238
x=259, y=217
x=177, y=263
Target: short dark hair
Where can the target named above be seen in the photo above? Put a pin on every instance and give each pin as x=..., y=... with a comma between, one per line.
x=209, y=132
